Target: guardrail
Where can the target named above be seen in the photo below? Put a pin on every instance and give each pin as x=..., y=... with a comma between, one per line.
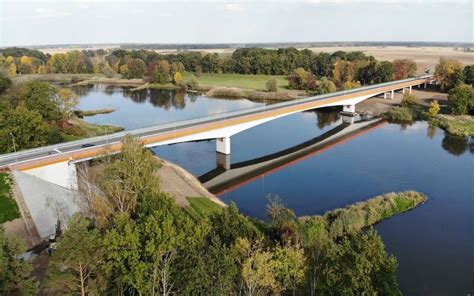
x=115, y=137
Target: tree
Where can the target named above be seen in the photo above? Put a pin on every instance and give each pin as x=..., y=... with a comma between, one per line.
x=68, y=101
x=468, y=74
x=40, y=96
x=5, y=83
x=344, y=71
x=178, y=78
x=461, y=99
x=448, y=73
x=434, y=108
x=404, y=68
x=326, y=86
x=290, y=266
x=298, y=79
x=136, y=69
x=384, y=72
x=75, y=264
x=162, y=72
x=272, y=85
x=14, y=271
x=359, y=265
x=27, y=127
x=258, y=273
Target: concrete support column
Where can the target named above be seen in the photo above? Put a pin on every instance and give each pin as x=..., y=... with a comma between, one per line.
x=223, y=145
x=392, y=94
x=223, y=160
x=385, y=95
x=349, y=108
x=424, y=86
x=410, y=90
x=348, y=119
x=403, y=90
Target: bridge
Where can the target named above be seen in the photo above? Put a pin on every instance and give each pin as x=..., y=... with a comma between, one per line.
x=56, y=163
x=228, y=178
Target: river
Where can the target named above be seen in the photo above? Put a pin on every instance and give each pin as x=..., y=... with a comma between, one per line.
x=434, y=243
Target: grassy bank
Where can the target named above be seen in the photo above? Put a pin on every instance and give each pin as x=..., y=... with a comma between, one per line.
x=200, y=207
x=355, y=217
x=111, y=81
x=83, y=113
x=233, y=92
x=8, y=207
x=257, y=82
x=79, y=129
x=462, y=126
x=167, y=86
x=57, y=78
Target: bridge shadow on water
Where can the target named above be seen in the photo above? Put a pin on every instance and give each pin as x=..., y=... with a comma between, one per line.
x=228, y=177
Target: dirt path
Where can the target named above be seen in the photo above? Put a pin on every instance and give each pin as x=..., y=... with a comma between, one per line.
x=179, y=183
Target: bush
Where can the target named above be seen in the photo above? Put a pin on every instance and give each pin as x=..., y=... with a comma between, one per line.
x=5, y=83
x=401, y=114
x=192, y=83
x=434, y=108
x=272, y=85
x=410, y=100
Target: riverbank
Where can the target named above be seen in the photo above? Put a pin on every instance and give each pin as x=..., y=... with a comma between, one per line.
x=182, y=185
x=77, y=128
x=460, y=125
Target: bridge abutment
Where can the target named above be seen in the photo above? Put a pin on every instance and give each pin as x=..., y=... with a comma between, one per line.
x=223, y=145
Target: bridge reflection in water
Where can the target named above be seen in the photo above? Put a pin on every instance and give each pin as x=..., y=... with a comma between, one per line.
x=229, y=177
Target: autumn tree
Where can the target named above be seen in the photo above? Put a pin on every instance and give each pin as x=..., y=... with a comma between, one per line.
x=449, y=73
x=162, y=75
x=75, y=266
x=404, y=68
x=178, y=78
x=434, y=108
x=135, y=69
x=344, y=71
x=326, y=86
x=67, y=100
x=290, y=267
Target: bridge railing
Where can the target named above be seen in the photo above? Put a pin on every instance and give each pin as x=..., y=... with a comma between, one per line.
x=115, y=137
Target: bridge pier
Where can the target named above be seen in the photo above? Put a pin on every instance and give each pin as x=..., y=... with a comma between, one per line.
x=223, y=145
x=409, y=89
x=348, y=119
x=223, y=160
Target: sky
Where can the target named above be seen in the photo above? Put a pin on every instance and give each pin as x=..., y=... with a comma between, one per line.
x=102, y=21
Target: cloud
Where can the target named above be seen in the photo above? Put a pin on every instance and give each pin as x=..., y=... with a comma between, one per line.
x=137, y=11
x=50, y=13
x=234, y=7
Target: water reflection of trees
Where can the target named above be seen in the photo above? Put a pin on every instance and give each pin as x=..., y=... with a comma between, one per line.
x=83, y=90
x=136, y=96
x=327, y=116
x=455, y=145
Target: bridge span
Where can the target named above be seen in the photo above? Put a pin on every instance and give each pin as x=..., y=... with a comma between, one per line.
x=56, y=163
x=229, y=177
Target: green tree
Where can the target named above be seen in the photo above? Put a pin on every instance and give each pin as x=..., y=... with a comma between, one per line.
x=40, y=96
x=290, y=266
x=272, y=85
x=5, y=83
x=14, y=271
x=359, y=265
x=461, y=99
x=258, y=272
x=384, y=72
x=468, y=74
x=448, y=73
x=326, y=86
x=162, y=72
x=27, y=127
x=75, y=266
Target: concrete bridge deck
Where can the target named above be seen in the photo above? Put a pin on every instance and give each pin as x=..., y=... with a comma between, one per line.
x=220, y=126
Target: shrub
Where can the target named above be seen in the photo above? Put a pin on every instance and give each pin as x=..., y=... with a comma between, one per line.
x=410, y=100
x=461, y=99
x=434, y=108
x=402, y=114
x=272, y=85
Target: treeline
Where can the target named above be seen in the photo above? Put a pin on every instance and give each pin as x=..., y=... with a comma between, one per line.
x=304, y=67
x=135, y=240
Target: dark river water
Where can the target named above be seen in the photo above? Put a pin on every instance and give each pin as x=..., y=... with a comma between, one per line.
x=434, y=243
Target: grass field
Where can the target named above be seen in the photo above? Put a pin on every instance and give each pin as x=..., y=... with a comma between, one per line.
x=8, y=207
x=239, y=80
